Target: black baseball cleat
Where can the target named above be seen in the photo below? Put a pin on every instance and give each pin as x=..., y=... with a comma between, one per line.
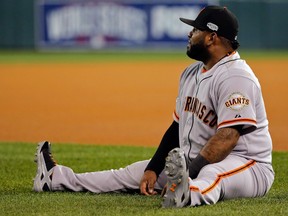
x=177, y=194
x=45, y=167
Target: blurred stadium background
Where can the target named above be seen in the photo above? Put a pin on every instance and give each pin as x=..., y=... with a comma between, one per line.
x=96, y=24
x=101, y=27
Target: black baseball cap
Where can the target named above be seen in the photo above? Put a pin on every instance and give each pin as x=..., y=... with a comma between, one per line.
x=216, y=19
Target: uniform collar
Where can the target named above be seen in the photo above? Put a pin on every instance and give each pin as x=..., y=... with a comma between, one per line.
x=229, y=57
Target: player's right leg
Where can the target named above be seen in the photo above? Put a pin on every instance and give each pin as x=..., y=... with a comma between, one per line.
x=45, y=167
x=63, y=178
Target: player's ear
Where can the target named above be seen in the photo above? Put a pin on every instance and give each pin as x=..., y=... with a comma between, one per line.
x=211, y=38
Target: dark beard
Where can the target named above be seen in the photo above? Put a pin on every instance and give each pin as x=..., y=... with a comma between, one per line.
x=198, y=52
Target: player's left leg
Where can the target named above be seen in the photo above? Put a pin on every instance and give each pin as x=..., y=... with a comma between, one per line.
x=234, y=177
x=177, y=191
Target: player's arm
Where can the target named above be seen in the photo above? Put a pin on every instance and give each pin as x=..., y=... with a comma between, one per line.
x=216, y=149
x=169, y=141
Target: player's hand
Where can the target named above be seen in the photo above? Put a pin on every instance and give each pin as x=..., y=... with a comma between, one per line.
x=147, y=183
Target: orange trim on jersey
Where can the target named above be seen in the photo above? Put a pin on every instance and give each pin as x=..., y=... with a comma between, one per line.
x=237, y=120
x=222, y=176
x=176, y=115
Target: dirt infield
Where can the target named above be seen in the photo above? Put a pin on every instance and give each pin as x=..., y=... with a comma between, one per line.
x=111, y=103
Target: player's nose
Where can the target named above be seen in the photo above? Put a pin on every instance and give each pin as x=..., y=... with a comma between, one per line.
x=190, y=33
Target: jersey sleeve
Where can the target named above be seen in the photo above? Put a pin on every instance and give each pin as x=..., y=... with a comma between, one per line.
x=177, y=110
x=237, y=102
x=183, y=78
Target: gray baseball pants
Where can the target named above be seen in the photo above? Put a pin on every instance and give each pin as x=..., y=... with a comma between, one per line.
x=234, y=177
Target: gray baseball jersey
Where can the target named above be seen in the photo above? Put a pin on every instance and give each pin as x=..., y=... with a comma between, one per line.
x=228, y=94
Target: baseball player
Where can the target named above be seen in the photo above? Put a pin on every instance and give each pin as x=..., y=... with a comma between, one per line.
x=218, y=147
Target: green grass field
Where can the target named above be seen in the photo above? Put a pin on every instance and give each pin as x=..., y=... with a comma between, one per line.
x=120, y=55
x=18, y=169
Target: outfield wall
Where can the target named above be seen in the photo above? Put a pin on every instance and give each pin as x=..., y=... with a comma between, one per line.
x=262, y=22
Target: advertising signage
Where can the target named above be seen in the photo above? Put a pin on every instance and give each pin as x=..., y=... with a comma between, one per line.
x=93, y=24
